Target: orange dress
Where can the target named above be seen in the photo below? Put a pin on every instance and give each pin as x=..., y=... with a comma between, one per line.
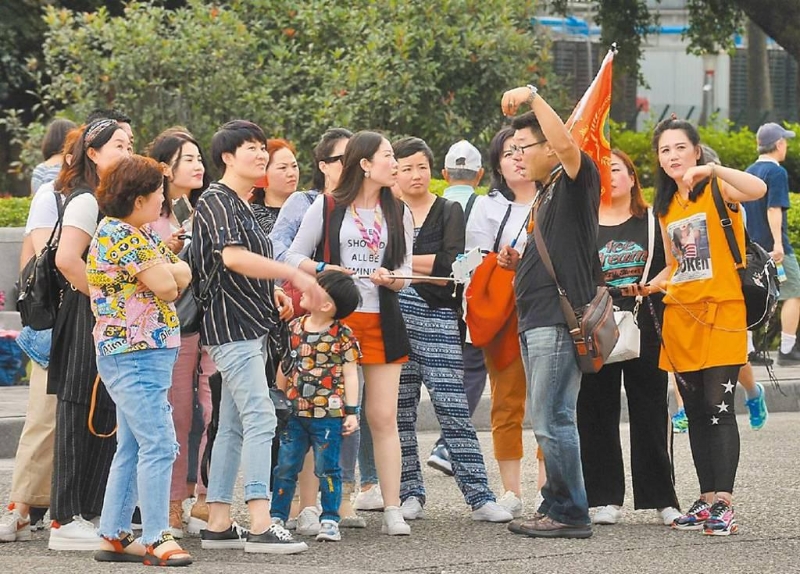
x=705, y=321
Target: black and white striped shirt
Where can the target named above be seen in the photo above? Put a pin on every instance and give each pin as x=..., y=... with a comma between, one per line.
x=241, y=308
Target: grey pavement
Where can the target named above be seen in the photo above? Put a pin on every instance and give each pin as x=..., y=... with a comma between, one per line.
x=448, y=542
x=14, y=400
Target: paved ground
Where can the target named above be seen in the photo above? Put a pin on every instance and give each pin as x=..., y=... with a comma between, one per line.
x=448, y=542
x=14, y=400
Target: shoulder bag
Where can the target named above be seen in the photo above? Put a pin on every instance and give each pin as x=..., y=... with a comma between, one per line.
x=592, y=327
x=193, y=301
x=629, y=343
x=40, y=283
x=759, y=274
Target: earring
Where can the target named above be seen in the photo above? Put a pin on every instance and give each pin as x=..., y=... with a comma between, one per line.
x=366, y=174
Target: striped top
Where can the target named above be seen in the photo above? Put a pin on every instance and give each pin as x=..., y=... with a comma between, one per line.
x=240, y=308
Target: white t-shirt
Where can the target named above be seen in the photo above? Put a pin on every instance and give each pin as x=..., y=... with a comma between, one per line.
x=355, y=254
x=82, y=213
x=43, y=213
x=487, y=216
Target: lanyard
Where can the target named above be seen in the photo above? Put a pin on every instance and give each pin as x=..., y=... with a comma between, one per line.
x=373, y=241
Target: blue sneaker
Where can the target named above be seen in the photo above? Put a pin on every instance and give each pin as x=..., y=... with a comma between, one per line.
x=758, y=409
x=680, y=423
x=695, y=518
x=721, y=520
x=440, y=459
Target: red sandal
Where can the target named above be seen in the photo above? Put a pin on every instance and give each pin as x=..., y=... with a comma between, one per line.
x=150, y=558
x=118, y=554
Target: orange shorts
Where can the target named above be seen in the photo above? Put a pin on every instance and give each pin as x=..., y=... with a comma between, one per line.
x=367, y=329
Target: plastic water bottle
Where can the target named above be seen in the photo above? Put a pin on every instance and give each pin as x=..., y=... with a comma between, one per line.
x=781, y=273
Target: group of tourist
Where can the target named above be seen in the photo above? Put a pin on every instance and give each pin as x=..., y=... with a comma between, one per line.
x=341, y=299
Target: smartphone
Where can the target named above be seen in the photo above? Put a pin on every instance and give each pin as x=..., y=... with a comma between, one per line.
x=182, y=209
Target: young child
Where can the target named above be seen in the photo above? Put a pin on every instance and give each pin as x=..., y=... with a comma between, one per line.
x=321, y=369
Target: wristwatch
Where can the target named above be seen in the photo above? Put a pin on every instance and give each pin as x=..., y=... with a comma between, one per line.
x=534, y=90
x=321, y=266
x=352, y=410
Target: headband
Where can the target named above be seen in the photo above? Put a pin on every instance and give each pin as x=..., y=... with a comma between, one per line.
x=95, y=129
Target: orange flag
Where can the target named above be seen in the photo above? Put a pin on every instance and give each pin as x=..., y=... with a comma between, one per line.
x=589, y=120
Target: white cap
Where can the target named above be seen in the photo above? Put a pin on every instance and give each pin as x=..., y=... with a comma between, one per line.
x=463, y=155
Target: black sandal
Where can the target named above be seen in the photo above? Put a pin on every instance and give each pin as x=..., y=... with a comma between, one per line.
x=150, y=558
x=118, y=554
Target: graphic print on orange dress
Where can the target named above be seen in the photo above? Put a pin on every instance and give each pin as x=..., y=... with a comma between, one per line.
x=689, y=245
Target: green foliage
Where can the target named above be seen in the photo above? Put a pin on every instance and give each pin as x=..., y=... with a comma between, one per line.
x=436, y=70
x=14, y=211
x=793, y=220
x=736, y=147
x=714, y=24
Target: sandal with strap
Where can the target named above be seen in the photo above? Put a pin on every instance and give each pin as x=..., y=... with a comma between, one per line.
x=150, y=558
x=118, y=554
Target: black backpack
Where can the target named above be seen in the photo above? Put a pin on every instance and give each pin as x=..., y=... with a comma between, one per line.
x=759, y=273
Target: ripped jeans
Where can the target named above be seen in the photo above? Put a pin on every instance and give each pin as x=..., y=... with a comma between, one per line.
x=138, y=383
x=325, y=437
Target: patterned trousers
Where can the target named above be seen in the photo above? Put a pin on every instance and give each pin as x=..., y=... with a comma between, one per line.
x=436, y=362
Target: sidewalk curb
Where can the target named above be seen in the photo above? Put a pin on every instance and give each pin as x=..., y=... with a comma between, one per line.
x=11, y=423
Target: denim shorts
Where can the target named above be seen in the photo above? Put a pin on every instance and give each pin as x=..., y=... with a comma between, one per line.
x=36, y=344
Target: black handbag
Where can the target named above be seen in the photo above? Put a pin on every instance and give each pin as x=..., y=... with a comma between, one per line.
x=193, y=302
x=758, y=273
x=40, y=283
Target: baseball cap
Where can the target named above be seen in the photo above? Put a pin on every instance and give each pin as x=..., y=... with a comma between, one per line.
x=769, y=134
x=463, y=155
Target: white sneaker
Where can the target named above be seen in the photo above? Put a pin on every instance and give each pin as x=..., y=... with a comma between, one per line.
x=607, y=515
x=411, y=509
x=308, y=522
x=492, y=512
x=393, y=522
x=14, y=528
x=329, y=532
x=668, y=515
x=512, y=503
x=79, y=534
x=370, y=499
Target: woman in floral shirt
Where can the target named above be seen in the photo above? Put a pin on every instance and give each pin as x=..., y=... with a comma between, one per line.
x=133, y=278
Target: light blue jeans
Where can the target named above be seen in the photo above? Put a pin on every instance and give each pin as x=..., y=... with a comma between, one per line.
x=554, y=380
x=138, y=383
x=246, y=422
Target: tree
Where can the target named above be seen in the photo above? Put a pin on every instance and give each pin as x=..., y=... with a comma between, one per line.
x=713, y=24
x=435, y=70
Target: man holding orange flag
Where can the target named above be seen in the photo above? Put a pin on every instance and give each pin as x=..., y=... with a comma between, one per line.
x=565, y=208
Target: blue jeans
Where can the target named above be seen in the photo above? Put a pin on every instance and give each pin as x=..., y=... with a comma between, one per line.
x=325, y=437
x=554, y=380
x=138, y=383
x=246, y=422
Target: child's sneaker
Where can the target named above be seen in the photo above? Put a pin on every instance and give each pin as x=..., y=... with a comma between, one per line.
x=680, y=424
x=758, y=409
x=14, y=528
x=329, y=531
x=695, y=517
x=721, y=521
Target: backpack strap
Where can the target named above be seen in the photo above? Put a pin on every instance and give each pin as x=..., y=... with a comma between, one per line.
x=470, y=204
x=727, y=225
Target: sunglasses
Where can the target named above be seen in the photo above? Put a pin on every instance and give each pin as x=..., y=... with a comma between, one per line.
x=333, y=158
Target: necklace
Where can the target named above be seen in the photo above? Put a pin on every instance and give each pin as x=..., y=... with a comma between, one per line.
x=683, y=203
x=373, y=240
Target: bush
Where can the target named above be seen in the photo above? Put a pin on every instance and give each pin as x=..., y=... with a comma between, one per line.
x=435, y=70
x=14, y=211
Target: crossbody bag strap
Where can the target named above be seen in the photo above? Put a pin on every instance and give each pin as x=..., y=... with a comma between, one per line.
x=651, y=245
x=566, y=307
x=503, y=223
x=727, y=224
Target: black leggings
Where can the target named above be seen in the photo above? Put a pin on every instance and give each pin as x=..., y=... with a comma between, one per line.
x=708, y=397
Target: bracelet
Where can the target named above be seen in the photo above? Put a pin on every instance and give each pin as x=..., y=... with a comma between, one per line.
x=321, y=266
x=713, y=169
x=352, y=410
x=534, y=91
